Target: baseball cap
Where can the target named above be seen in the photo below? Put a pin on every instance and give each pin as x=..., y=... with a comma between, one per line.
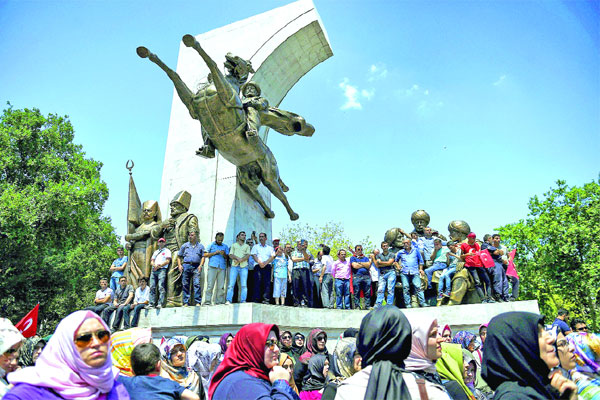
x=161, y=240
x=472, y=235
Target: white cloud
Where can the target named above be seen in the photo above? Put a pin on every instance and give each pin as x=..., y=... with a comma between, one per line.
x=377, y=72
x=414, y=89
x=500, y=80
x=354, y=95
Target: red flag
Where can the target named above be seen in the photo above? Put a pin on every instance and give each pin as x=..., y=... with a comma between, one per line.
x=28, y=325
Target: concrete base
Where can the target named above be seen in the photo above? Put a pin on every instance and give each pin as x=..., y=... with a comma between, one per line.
x=216, y=320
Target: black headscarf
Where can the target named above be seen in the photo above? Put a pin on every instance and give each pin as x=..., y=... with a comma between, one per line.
x=296, y=350
x=384, y=341
x=283, y=348
x=314, y=379
x=511, y=356
x=350, y=332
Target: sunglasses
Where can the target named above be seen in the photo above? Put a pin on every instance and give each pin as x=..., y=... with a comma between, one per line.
x=321, y=338
x=285, y=337
x=84, y=340
x=271, y=343
x=583, y=328
x=298, y=338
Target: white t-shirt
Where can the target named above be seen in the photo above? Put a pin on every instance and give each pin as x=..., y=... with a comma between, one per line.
x=263, y=253
x=142, y=296
x=160, y=256
x=102, y=294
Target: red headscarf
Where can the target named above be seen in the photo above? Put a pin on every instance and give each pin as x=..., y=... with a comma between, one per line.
x=246, y=353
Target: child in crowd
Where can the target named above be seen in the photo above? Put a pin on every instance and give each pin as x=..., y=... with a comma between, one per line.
x=281, y=275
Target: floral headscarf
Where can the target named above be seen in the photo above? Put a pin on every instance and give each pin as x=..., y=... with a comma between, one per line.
x=465, y=338
x=28, y=349
x=203, y=358
x=343, y=358
x=188, y=379
x=587, y=351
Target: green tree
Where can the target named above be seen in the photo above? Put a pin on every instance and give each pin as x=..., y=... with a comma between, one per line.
x=558, y=250
x=331, y=234
x=54, y=241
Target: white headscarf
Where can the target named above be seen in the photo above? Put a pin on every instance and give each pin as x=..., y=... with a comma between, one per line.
x=417, y=359
x=9, y=335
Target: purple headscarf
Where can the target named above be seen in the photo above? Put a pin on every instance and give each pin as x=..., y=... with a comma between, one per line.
x=61, y=368
x=223, y=341
x=465, y=338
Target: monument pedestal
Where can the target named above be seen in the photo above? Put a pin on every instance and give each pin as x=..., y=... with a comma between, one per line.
x=216, y=320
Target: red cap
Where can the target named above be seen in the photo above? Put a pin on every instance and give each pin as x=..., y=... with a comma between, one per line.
x=472, y=235
x=161, y=240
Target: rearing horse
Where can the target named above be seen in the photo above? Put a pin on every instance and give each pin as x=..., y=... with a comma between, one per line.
x=219, y=109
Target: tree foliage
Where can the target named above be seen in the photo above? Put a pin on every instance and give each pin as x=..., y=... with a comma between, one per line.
x=331, y=234
x=558, y=250
x=54, y=242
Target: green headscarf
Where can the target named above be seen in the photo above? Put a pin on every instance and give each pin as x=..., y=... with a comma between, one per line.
x=450, y=366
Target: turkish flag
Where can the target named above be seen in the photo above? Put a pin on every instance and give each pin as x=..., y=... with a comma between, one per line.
x=28, y=325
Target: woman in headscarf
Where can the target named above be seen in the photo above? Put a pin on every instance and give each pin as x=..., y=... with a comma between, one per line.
x=586, y=349
x=225, y=341
x=384, y=341
x=425, y=350
x=10, y=342
x=316, y=344
x=345, y=362
x=470, y=376
x=288, y=363
x=451, y=369
x=204, y=358
x=76, y=364
x=298, y=347
x=517, y=359
x=285, y=346
x=447, y=334
x=467, y=340
x=30, y=351
x=250, y=368
x=316, y=378
x=123, y=343
x=172, y=366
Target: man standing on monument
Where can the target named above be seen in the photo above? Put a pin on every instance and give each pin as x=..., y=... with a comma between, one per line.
x=411, y=264
x=498, y=272
x=361, y=277
x=263, y=255
x=239, y=255
x=191, y=252
x=160, y=261
x=302, y=283
x=217, y=265
x=470, y=255
x=251, y=296
x=118, y=268
x=385, y=262
x=176, y=230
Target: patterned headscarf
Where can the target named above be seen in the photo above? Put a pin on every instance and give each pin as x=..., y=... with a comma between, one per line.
x=28, y=349
x=465, y=338
x=343, y=358
x=203, y=358
x=122, y=345
x=188, y=379
x=587, y=351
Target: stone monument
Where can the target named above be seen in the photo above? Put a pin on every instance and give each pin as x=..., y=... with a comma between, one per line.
x=281, y=45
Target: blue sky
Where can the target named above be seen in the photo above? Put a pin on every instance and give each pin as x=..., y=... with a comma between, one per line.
x=463, y=108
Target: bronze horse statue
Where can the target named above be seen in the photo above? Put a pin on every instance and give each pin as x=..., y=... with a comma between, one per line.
x=218, y=107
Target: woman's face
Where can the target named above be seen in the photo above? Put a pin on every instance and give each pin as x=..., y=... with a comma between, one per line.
x=321, y=341
x=95, y=352
x=546, y=347
x=468, y=372
x=357, y=362
x=286, y=339
x=471, y=346
x=299, y=340
x=566, y=353
x=9, y=359
x=434, y=343
x=271, y=351
x=288, y=364
x=483, y=334
x=178, y=356
x=326, y=368
x=228, y=342
x=447, y=336
x=38, y=350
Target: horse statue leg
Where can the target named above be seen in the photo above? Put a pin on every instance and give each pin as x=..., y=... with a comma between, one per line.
x=249, y=181
x=270, y=178
x=185, y=94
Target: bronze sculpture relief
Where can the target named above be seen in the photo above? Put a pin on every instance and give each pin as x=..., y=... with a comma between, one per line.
x=230, y=125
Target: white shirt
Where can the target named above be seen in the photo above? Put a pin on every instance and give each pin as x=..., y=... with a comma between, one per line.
x=102, y=294
x=263, y=253
x=141, y=296
x=160, y=256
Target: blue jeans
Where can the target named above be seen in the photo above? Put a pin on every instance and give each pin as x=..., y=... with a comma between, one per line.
x=158, y=278
x=114, y=282
x=190, y=273
x=499, y=281
x=342, y=292
x=361, y=282
x=136, y=316
x=388, y=280
x=445, y=285
x=437, y=266
x=234, y=271
x=415, y=281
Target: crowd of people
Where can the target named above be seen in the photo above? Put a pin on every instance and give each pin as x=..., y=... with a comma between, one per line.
x=391, y=356
x=419, y=274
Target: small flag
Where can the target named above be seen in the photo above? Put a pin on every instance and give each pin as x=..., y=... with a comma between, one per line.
x=28, y=325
